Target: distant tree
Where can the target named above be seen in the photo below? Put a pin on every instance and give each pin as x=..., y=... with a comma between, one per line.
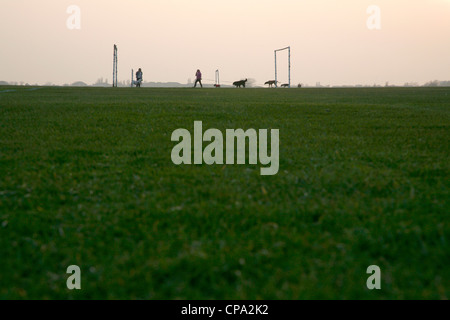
x=434, y=83
x=101, y=83
x=79, y=84
x=250, y=82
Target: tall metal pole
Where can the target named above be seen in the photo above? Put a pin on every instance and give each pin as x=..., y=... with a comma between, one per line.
x=289, y=67
x=132, y=77
x=217, y=79
x=114, y=65
x=115, y=60
x=276, y=82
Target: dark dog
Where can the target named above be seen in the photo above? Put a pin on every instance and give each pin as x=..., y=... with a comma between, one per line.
x=240, y=83
x=285, y=85
x=271, y=83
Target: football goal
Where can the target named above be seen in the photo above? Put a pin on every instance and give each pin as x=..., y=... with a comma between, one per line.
x=289, y=66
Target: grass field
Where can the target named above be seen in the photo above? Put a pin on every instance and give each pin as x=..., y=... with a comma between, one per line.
x=87, y=179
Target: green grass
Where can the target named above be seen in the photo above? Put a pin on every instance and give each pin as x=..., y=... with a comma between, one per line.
x=87, y=179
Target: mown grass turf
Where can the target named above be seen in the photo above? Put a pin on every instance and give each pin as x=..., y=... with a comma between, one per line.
x=87, y=179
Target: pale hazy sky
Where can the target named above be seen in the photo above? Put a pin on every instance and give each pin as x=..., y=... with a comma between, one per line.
x=170, y=39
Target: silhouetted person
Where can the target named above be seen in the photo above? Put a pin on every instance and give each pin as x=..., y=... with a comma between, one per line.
x=139, y=75
x=198, y=78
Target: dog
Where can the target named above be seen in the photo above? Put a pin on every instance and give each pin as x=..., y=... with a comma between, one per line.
x=285, y=85
x=137, y=83
x=240, y=83
x=271, y=83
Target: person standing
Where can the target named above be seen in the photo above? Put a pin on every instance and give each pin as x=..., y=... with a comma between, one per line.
x=139, y=78
x=198, y=78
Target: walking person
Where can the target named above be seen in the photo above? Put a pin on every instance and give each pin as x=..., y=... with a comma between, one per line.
x=198, y=78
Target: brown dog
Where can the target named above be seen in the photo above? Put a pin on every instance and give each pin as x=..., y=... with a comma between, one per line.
x=271, y=83
x=240, y=83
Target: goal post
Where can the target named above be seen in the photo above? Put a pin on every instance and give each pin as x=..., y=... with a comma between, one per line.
x=115, y=60
x=289, y=65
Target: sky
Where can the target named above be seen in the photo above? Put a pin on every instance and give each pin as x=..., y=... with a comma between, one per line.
x=330, y=40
